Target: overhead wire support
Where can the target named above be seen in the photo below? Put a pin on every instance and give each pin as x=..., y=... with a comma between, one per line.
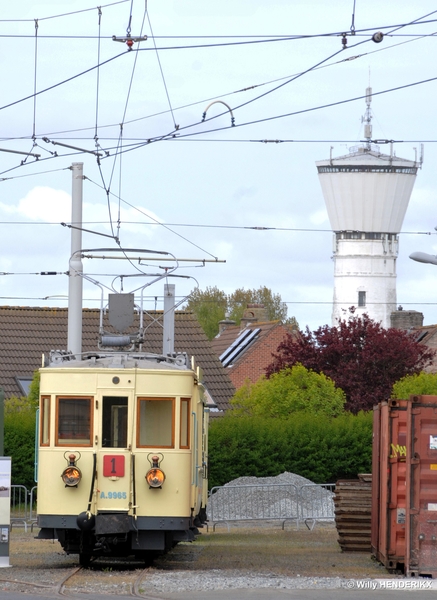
x=34, y=80
x=162, y=73
x=129, y=41
x=112, y=237
x=94, y=152
x=352, y=29
x=17, y=152
x=96, y=139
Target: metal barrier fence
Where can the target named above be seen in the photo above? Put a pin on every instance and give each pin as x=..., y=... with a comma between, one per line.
x=316, y=503
x=19, y=505
x=308, y=503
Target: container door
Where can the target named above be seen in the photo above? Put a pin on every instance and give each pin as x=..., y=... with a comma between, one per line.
x=421, y=531
x=376, y=507
x=396, y=484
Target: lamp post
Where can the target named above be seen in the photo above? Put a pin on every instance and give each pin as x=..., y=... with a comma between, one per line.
x=423, y=257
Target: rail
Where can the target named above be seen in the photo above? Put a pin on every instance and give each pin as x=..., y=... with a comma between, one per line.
x=307, y=503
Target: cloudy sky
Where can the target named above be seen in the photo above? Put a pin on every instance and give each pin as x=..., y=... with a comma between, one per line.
x=279, y=87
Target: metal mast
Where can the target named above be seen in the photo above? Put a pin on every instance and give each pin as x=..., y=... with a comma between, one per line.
x=75, y=281
x=367, y=119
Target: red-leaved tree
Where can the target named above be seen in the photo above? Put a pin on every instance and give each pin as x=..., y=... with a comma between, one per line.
x=362, y=357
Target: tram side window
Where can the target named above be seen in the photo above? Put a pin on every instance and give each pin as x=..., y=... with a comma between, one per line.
x=156, y=422
x=73, y=421
x=185, y=423
x=45, y=421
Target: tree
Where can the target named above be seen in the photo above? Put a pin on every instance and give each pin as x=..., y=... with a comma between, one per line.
x=209, y=307
x=418, y=384
x=33, y=395
x=238, y=301
x=20, y=439
x=359, y=355
x=212, y=305
x=289, y=391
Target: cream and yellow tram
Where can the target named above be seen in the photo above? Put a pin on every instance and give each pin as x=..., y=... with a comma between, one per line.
x=122, y=458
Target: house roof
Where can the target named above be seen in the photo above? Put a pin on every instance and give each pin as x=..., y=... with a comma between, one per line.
x=247, y=352
x=28, y=332
x=427, y=335
x=227, y=337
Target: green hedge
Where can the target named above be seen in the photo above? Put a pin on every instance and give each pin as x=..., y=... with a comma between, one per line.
x=20, y=444
x=316, y=447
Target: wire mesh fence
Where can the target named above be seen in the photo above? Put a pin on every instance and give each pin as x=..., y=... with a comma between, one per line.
x=307, y=504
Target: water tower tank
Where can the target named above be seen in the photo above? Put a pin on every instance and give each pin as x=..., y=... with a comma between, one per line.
x=366, y=194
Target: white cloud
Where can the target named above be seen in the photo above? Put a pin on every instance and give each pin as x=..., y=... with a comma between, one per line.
x=45, y=204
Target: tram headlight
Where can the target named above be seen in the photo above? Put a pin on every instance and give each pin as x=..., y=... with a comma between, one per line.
x=71, y=476
x=155, y=477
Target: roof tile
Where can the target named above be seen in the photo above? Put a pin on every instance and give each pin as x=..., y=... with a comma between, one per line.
x=28, y=332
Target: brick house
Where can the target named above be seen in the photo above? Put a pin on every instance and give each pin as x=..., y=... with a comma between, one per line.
x=246, y=350
x=28, y=332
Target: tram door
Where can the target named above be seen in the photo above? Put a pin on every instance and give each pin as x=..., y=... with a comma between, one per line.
x=114, y=422
x=114, y=460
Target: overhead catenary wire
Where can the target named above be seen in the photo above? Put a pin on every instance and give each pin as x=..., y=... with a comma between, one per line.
x=170, y=136
x=186, y=140
x=162, y=224
x=199, y=226
x=34, y=79
x=99, y=9
x=68, y=14
x=237, y=91
x=180, y=134
x=64, y=298
x=162, y=73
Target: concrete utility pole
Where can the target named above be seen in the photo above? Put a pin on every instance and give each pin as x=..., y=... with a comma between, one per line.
x=2, y=422
x=169, y=301
x=75, y=281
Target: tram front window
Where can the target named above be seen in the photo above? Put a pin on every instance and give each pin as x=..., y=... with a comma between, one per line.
x=73, y=421
x=114, y=426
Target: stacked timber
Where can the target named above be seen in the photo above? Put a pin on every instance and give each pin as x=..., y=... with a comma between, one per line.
x=353, y=507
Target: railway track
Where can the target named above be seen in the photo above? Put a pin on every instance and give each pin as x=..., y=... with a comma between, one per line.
x=79, y=580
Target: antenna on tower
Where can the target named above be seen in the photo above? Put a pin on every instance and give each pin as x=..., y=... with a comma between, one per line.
x=367, y=119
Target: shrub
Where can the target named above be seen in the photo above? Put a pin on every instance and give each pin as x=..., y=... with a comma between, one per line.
x=313, y=446
x=291, y=390
x=423, y=383
x=20, y=440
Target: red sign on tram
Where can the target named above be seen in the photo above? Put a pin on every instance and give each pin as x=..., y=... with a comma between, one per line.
x=113, y=465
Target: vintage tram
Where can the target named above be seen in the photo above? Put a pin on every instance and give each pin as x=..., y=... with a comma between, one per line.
x=122, y=456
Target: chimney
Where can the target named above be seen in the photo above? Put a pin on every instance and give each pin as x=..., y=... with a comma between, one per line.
x=254, y=313
x=406, y=319
x=225, y=323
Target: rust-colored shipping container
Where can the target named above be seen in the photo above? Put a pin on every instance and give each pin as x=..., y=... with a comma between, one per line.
x=389, y=483
x=421, y=473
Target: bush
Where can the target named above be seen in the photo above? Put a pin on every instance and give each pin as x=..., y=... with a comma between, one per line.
x=423, y=383
x=289, y=391
x=316, y=447
x=20, y=440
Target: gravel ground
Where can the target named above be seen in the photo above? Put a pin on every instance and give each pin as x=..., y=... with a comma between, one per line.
x=256, y=557
x=245, y=554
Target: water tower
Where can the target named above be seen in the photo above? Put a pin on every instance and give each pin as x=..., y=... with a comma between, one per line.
x=366, y=195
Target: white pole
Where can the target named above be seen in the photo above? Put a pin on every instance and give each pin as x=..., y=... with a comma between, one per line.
x=169, y=301
x=75, y=281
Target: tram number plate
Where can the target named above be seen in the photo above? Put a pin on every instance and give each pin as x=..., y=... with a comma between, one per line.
x=113, y=465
